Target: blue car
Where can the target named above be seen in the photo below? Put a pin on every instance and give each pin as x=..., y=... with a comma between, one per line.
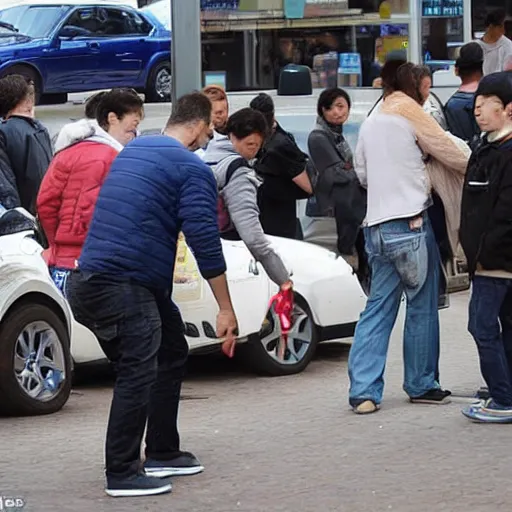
x=67, y=48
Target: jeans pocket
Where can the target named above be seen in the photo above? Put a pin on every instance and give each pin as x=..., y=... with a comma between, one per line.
x=409, y=254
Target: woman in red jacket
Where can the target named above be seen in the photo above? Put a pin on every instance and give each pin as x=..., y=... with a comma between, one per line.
x=69, y=190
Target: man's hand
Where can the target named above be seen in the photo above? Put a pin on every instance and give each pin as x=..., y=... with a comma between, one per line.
x=227, y=329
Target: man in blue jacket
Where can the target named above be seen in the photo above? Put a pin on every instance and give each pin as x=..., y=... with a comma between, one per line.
x=122, y=288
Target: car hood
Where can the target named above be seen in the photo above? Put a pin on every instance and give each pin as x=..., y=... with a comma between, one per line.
x=309, y=260
x=10, y=44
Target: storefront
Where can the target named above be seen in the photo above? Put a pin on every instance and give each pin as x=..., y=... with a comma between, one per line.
x=251, y=40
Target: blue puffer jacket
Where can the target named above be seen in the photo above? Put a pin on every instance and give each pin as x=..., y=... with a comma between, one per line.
x=155, y=189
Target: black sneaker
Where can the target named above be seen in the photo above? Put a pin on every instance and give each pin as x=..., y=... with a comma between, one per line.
x=434, y=396
x=136, y=485
x=184, y=464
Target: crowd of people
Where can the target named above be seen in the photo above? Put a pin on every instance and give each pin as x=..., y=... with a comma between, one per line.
x=421, y=186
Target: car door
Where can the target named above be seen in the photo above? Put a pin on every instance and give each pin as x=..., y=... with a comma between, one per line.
x=124, y=48
x=71, y=61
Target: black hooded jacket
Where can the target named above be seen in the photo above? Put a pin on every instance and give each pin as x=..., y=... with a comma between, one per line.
x=25, y=154
x=486, y=215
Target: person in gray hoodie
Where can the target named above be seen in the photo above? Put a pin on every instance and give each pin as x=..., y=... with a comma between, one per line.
x=246, y=132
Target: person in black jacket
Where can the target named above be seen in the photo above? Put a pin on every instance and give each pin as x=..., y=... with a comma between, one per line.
x=25, y=144
x=336, y=212
x=486, y=237
x=282, y=167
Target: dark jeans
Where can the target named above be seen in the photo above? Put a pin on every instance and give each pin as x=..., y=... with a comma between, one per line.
x=490, y=323
x=141, y=332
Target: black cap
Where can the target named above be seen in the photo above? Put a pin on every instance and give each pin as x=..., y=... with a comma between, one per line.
x=395, y=55
x=496, y=84
x=471, y=55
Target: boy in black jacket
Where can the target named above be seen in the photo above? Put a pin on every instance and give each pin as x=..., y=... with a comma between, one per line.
x=486, y=237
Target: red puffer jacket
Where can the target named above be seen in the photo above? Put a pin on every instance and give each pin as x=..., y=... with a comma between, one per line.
x=67, y=197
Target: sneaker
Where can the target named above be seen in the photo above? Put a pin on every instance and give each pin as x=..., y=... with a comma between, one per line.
x=488, y=412
x=184, y=464
x=434, y=396
x=365, y=407
x=136, y=485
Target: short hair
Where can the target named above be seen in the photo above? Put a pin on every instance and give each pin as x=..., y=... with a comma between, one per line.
x=119, y=101
x=91, y=104
x=265, y=104
x=13, y=90
x=191, y=108
x=245, y=122
x=215, y=93
x=495, y=18
x=407, y=81
x=328, y=97
x=470, y=60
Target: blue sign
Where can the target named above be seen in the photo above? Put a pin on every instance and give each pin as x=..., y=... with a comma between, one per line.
x=294, y=9
x=350, y=64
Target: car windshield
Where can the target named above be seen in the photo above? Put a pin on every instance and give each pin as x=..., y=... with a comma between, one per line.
x=33, y=21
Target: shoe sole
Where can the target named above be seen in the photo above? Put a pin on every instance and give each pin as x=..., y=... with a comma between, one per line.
x=444, y=401
x=132, y=493
x=167, y=472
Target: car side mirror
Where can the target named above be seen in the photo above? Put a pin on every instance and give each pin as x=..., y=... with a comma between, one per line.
x=68, y=32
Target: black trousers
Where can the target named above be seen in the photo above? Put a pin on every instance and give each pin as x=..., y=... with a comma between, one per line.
x=141, y=331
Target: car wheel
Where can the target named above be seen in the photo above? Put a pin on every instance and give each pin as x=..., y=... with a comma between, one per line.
x=53, y=99
x=29, y=73
x=35, y=362
x=159, y=87
x=268, y=352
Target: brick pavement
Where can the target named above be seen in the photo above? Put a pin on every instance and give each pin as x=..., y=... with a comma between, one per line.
x=288, y=444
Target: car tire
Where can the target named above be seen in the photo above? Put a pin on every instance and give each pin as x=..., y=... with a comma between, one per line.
x=54, y=99
x=38, y=324
x=260, y=352
x=27, y=72
x=159, y=86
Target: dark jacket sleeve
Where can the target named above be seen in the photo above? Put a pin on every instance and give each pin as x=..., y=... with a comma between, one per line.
x=326, y=158
x=9, y=196
x=197, y=211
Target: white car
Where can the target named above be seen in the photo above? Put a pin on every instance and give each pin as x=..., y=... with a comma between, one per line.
x=40, y=342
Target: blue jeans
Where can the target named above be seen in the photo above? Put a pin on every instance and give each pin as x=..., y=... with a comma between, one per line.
x=490, y=324
x=402, y=261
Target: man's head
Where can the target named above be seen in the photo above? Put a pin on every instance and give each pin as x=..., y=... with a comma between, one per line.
x=17, y=96
x=119, y=113
x=220, y=107
x=495, y=23
x=190, y=121
x=493, y=102
x=469, y=64
x=263, y=103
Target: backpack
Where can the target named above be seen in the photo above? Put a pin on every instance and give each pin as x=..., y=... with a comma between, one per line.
x=226, y=226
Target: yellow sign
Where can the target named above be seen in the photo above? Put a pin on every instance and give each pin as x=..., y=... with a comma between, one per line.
x=188, y=283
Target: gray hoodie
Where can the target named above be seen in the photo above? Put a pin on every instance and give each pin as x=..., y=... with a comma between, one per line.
x=241, y=199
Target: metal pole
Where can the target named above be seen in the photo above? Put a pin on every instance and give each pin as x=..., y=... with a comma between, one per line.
x=415, y=32
x=185, y=47
x=467, y=21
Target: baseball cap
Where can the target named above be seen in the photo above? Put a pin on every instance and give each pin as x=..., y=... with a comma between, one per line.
x=471, y=54
x=497, y=84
